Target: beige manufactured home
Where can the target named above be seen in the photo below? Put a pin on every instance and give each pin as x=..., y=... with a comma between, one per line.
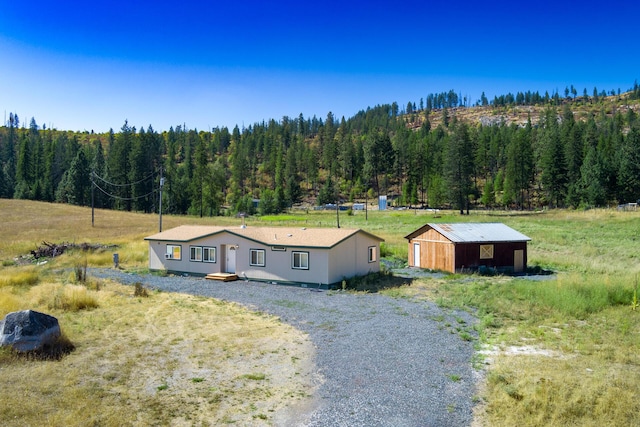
x=319, y=257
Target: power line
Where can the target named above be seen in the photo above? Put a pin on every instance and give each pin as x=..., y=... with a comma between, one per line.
x=113, y=196
x=121, y=185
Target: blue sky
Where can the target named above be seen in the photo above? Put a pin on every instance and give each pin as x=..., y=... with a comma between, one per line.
x=209, y=64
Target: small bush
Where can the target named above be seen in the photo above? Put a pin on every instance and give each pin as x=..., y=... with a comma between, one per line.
x=385, y=250
x=375, y=282
x=73, y=298
x=81, y=271
x=139, y=290
x=94, y=284
x=55, y=350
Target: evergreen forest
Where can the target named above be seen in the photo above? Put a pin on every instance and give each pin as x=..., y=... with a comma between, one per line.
x=522, y=151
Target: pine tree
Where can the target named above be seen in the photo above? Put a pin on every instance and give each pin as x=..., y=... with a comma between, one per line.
x=592, y=188
x=119, y=165
x=519, y=168
x=24, y=169
x=552, y=161
x=629, y=167
x=75, y=186
x=459, y=167
x=197, y=185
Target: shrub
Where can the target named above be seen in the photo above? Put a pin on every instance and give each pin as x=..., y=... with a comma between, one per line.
x=81, y=271
x=73, y=298
x=139, y=290
x=374, y=282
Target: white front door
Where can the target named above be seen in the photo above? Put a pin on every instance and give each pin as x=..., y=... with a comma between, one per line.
x=231, y=259
x=416, y=255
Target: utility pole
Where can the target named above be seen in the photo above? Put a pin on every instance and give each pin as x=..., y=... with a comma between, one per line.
x=160, y=203
x=93, y=186
x=338, y=212
x=366, y=202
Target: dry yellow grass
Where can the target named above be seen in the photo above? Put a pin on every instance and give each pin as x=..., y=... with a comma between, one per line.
x=166, y=359
x=25, y=224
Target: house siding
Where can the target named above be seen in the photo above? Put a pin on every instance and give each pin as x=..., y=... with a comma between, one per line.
x=326, y=265
x=351, y=258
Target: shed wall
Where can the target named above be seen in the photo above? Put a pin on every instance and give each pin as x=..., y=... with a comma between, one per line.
x=468, y=255
x=436, y=251
x=439, y=253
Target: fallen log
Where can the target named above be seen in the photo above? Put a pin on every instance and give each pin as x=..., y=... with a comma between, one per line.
x=52, y=250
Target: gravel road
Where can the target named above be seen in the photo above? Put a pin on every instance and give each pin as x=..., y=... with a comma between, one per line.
x=384, y=361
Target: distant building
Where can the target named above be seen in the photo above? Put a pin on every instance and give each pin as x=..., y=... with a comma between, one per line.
x=468, y=247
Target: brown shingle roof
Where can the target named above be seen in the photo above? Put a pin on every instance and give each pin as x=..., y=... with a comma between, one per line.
x=275, y=236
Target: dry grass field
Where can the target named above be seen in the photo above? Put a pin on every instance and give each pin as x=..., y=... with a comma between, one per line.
x=160, y=359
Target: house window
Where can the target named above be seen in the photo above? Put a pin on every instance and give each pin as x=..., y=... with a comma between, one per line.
x=256, y=257
x=173, y=252
x=209, y=254
x=373, y=254
x=195, y=253
x=300, y=260
x=486, y=251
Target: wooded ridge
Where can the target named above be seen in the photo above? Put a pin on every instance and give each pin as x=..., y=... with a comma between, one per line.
x=523, y=151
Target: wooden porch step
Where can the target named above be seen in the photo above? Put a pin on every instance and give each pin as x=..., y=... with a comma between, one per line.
x=224, y=277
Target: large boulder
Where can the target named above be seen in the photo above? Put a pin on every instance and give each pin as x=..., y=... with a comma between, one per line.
x=28, y=330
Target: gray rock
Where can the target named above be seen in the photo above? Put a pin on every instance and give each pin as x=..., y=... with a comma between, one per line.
x=28, y=330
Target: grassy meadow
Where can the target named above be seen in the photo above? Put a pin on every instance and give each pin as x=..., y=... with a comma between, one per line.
x=560, y=351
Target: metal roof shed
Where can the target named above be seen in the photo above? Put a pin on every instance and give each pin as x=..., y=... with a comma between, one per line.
x=462, y=247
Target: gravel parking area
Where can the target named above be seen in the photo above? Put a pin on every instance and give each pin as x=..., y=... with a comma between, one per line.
x=383, y=361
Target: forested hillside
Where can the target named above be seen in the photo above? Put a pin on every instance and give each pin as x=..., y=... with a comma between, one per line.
x=521, y=151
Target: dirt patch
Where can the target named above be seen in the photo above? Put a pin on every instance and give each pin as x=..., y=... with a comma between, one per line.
x=489, y=352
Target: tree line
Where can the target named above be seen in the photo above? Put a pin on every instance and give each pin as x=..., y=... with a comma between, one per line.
x=559, y=161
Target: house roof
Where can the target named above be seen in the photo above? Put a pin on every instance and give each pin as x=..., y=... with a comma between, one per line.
x=474, y=232
x=274, y=236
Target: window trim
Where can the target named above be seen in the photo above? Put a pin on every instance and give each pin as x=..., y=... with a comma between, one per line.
x=210, y=249
x=257, y=263
x=293, y=260
x=194, y=250
x=486, y=251
x=372, y=253
x=171, y=250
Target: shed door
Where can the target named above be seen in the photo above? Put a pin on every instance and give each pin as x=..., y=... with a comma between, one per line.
x=231, y=259
x=416, y=255
x=518, y=261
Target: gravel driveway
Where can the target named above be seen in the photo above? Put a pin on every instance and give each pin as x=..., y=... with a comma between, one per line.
x=385, y=361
